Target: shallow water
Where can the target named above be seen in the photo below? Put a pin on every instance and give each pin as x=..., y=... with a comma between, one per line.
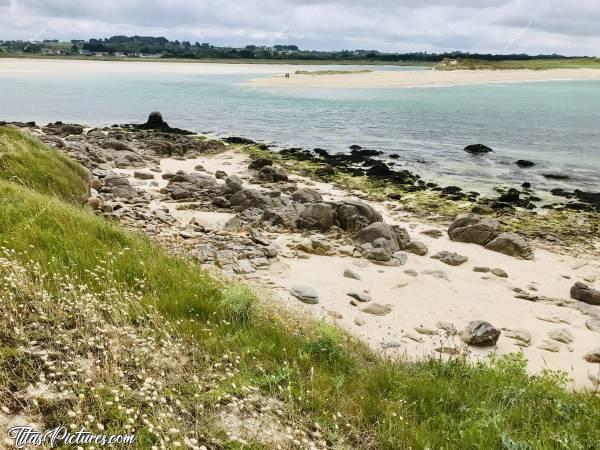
x=554, y=124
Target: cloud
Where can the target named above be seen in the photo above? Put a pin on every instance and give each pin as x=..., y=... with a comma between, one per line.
x=562, y=26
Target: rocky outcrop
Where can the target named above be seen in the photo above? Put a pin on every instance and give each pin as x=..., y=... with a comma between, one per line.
x=379, y=241
x=119, y=186
x=272, y=174
x=474, y=229
x=355, y=215
x=306, y=195
x=581, y=291
x=512, y=245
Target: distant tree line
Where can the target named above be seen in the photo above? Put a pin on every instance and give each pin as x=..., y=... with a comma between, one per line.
x=162, y=47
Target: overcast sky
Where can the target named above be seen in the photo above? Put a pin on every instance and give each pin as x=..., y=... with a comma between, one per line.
x=497, y=26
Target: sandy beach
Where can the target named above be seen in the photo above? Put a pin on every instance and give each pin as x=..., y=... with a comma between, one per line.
x=423, y=292
x=422, y=78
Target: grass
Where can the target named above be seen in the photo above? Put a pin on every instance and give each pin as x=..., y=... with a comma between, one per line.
x=42, y=169
x=330, y=72
x=175, y=354
x=534, y=64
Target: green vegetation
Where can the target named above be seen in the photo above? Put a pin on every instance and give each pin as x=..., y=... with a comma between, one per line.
x=160, y=47
x=46, y=171
x=173, y=349
x=330, y=72
x=534, y=64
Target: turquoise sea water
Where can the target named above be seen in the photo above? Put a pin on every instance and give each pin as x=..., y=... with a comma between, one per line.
x=554, y=124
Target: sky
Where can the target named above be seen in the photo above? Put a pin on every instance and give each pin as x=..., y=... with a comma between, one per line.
x=568, y=27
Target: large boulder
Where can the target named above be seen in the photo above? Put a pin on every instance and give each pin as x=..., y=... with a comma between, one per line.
x=272, y=174
x=184, y=186
x=251, y=198
x=355, y=215
x=512, y=245
x=307, y=195
x=380, y=240
x=119, y=186
x=475, y=229
x=480, y=333
x=581, y=291
x=317, y=215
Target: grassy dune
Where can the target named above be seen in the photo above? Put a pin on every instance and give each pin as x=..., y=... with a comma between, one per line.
x=534, y=64
x=129, y=339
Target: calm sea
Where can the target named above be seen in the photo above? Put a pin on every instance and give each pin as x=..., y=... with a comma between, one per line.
x=554, y=124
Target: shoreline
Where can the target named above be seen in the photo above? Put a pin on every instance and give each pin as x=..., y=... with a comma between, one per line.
x=423, y=78
x=184, y=193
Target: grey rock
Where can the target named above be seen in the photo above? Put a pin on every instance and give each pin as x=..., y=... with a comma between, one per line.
x=417, y=247
x=499, y=272
x=317, y=215
x=411, y=273
x=360, y=296
x=427, y=331
x=401, y=257
x=396, y=238
x=354, y=215
x=450, y=258
x=480, y=333
x=243, y=266
x=475, y=229
x=272, y=174
x=376, y=309
x=307, y=195
x=349, y=273
x=581, y=291
x=512, y=245
x=549, y=346
x=522, y=336
x=481, y=269
x=233, y=225
x=434, y=233
x=440, y=274
x=305, y=294
x=220, y=174
x=259, y=237
x=593, y=356
x=359, y=321
x=561, y=335
x=221, y=202
x=143, y=175
x=447, y=327
x=593, y=325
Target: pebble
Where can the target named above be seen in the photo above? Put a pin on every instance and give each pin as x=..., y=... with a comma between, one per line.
x=549, y=346
x=349, y=273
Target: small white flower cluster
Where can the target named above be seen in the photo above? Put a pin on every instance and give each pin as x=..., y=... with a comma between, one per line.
x=98, y=359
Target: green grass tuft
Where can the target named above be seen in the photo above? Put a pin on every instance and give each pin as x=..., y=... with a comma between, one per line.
x=25, y=161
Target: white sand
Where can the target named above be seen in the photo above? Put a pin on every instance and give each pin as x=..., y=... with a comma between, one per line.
x=422, y=78
x=421, y=301
x=74, y=66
